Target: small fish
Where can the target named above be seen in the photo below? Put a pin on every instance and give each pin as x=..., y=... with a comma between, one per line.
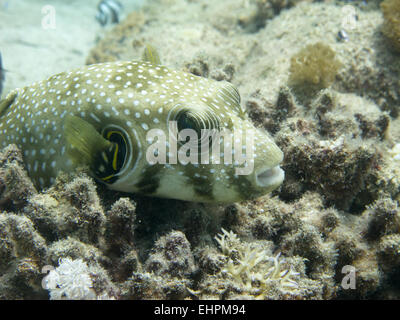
x=2, y=75
x=108, y=12
x=99, y=117
x=342, y=35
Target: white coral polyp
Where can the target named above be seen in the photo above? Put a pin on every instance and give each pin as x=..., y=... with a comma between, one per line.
x=70, y=280
x=253, y=265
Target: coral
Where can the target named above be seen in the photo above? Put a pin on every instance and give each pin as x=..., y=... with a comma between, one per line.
x=271, y=116
x=171, y=256
x=329, y=239
x=244, y=267
x=210, y=260
x=338, y=169
x=210, y=67
x=22, y=253
x=374, y=128
x=333, y=147
x=72, y=280
x=146, y=285
x=167, y=270
x=391, y=24
x=75, y=249
x=70, y=219
x=248, y=270
x=120, y=226
x=372, y=70
x=383, y=218
x=317, y=241
x=69, y=208
x=389, y=252
x=338, y=205
x=15, y=186
x=335, y=117
x=313, y=68
x=296, y=230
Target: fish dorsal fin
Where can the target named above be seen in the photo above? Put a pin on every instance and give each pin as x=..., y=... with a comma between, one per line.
x=84, y=143
x=150, y=54
x=8, y=101
x=230, y=93
x=230, y=90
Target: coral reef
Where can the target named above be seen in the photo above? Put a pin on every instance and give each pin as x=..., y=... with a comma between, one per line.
x=329, y=239
x=22, y=252
x=15, y=188
x=100, y=243
x=337, y=208
x=171, y=255
x=334, y=168
x=313, y=68
x=71, y=280
x=249, y=271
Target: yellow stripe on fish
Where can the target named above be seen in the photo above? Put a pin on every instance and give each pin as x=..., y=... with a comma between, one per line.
x=99, y=115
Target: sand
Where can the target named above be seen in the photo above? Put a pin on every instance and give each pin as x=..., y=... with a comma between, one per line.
x=32, y=51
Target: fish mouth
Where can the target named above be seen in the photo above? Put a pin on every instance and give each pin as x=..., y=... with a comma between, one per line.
x=270, y=177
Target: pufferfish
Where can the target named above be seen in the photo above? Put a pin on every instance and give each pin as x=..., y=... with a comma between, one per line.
x=98, y=117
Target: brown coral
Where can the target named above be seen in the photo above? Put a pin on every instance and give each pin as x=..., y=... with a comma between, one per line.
x=313, y=68
x=391, y=25
x=15, y=186
x=171, y=255
x=337, y=169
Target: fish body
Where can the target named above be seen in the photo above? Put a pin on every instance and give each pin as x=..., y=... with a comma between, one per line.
x=101, y=115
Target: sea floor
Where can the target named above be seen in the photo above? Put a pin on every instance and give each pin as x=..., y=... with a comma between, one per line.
x=41, y=38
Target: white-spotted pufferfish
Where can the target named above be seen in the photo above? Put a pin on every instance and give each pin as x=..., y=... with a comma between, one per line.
x=98, y=116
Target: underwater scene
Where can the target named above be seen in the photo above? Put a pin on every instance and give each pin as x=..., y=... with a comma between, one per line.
x=199, y=149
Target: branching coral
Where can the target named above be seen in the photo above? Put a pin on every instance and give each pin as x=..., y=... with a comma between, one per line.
x=252, y=269
x=227, y=240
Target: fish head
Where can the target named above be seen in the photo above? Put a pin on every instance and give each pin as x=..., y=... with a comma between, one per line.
x=199, y=148
x=178, y=136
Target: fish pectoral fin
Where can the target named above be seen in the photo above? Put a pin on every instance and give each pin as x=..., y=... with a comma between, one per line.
x=8, y=101
x=84, y=144
x=150, y=54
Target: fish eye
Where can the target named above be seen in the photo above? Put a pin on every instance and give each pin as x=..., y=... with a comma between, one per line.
x=113, y=159
x=186, y=120
x=199, y=121
x=196, y=120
